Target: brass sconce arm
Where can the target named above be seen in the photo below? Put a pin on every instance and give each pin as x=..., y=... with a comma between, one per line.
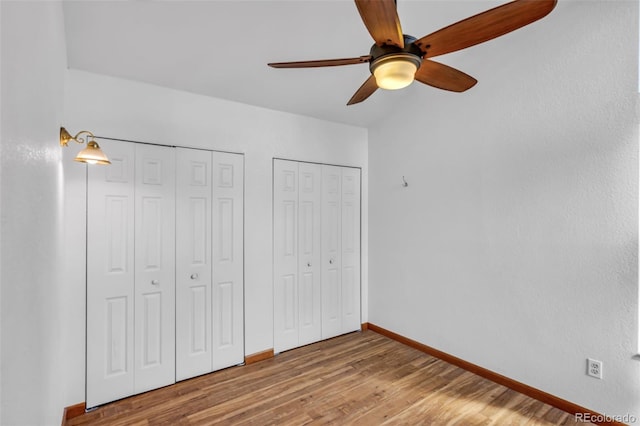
x=65, y=137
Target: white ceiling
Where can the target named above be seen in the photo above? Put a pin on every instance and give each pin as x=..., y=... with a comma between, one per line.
x=221, y=49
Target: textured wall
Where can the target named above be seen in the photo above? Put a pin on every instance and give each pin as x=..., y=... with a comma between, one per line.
x=515, y=245
x=32, y=294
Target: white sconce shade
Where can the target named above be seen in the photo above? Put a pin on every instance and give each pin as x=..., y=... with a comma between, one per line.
x=92, y=154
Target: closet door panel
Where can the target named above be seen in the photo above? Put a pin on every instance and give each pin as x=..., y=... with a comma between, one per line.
x=228, y=265
x=154, y=317
x=331, y=251
x=193, y=262
x=316, y=214
x=350, y=275
x=285, y=268
x=110, y=277
x=309, y=256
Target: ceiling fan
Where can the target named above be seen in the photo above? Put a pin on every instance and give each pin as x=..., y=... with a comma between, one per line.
x=396, y=59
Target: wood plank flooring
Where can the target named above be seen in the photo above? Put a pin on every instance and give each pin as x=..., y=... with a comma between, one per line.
x=360, y=378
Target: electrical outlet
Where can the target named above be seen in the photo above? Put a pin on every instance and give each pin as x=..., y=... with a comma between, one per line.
x=594, y=368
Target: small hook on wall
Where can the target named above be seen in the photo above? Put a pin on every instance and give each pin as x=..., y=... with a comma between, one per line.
x=404, y=182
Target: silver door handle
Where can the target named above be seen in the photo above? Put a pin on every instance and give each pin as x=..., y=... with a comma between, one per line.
x=155, y=282
x=194, y=276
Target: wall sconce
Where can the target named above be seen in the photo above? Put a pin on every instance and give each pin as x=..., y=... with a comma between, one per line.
x=92, y=154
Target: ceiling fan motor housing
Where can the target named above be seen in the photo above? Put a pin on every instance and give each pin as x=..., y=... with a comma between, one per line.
x=386, y=52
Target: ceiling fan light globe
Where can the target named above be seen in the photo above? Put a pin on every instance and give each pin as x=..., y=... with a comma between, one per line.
x=395, y=74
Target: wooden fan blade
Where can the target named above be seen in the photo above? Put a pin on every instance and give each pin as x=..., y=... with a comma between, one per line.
x=444, y=77
x=364, y=91
x=485, y=26
x=381, y=19
x=321, y=63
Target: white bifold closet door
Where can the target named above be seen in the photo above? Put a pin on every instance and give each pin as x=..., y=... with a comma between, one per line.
x=164, y=268
x=209, y=270
x=316, y=220
x=350, y=250
x=340, y=250
x=297, y=293
x=130, y=273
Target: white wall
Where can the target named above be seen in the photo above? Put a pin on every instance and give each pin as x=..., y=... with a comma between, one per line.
x=32, y=293
x=128, y=110
x=515, y=245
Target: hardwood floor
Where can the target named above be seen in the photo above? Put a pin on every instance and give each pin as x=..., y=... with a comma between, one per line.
x=359, y=378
